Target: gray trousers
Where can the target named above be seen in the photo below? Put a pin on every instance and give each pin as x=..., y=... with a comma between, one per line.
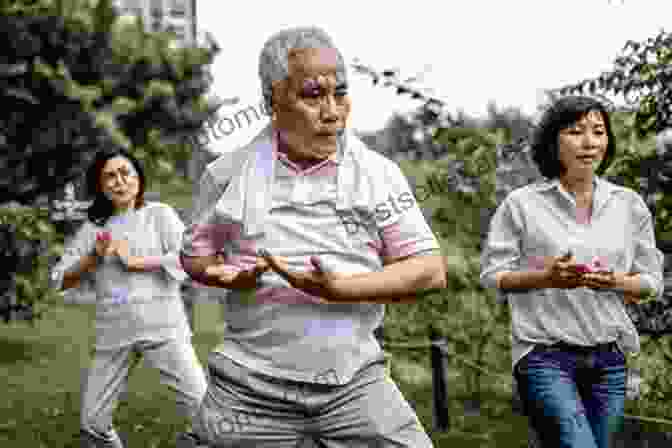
x=107, y=378
x=243, y=408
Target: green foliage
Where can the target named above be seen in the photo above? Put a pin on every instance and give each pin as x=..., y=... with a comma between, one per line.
x=28, y=241
x=642, y=75
x=635, y=165
x=75, y=79
x=653, y=361
x=107, y=83
x=467, y=315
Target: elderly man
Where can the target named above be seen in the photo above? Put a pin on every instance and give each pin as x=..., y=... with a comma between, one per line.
x=312, y=233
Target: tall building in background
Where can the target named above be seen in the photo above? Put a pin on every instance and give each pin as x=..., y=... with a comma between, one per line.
x=178, y=16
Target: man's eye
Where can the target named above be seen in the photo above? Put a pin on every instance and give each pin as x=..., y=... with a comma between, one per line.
x=315, y=93
x=341, y=93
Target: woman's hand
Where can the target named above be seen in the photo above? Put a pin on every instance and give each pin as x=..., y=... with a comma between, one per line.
x=599, y=280
x=123, y=251
x=563, y=273
x=105, y=246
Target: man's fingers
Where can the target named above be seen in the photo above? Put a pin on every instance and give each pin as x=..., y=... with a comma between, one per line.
x=220, y=269
x=227, y=276
x=278, y=265
x=262, y=265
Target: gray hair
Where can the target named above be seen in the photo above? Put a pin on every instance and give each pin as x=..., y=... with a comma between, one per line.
x=274, y=63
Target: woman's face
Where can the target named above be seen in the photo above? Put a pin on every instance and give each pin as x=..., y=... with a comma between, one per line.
x=582, y=146
x=120, y=182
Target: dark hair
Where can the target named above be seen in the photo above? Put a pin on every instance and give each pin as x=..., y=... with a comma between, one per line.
x=564, y=113
x=102, y=208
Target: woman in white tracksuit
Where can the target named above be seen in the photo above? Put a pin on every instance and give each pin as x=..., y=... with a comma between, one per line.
x=128, y=251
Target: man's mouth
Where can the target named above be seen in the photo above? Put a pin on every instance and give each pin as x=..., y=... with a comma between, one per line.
x=330, y=133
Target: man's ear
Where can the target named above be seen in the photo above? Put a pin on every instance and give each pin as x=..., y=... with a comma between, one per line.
x=278, y=94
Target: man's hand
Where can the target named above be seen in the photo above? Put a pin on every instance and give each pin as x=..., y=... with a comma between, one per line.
x=232, y=278
x=318, y=282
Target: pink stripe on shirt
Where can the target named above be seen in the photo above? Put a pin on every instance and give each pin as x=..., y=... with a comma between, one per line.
x=207, y=239
x=152, y=262
x=394, y=245
x=583, y=215
x=271, y=294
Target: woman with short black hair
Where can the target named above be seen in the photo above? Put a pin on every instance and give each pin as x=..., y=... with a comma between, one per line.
x=568, y=252
x=563, y=113
x=128, y=249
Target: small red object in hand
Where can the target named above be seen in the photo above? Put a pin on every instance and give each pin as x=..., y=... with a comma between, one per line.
x=104, y=236
x=597, y=265
x=583, y=268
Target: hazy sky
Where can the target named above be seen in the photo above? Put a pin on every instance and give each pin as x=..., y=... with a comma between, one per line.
x=478, y=50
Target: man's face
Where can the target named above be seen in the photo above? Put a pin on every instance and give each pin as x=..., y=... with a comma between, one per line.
x=312, y=104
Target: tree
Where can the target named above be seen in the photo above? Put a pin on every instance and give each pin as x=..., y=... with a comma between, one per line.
x=75, y=79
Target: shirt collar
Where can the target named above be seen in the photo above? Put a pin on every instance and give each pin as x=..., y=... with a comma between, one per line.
x=602, y=189
x=598, y=184
x=550, y=184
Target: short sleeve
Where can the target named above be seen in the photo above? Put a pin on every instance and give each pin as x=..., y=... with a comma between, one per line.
x=502, y=248
x=171, y=230
x=410, y=234
x=648, y=260
x=203, y=236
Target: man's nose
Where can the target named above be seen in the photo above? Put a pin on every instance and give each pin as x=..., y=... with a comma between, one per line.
x=329, y=109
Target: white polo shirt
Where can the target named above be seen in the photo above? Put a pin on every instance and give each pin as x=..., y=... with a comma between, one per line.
x=286, y=333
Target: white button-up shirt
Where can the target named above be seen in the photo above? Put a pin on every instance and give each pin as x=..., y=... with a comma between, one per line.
x=541, y=220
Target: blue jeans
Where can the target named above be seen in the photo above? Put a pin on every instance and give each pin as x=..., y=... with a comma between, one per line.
x=573, y=396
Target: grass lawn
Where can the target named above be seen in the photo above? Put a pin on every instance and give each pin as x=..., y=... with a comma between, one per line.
x=41, y=373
